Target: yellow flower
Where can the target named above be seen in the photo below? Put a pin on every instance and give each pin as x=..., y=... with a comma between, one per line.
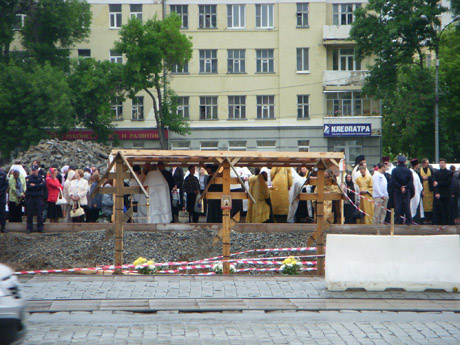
x=290, y=261
x=150, y=262
x=140, y=261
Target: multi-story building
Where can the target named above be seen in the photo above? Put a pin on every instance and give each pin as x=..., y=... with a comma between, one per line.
x=265, y=75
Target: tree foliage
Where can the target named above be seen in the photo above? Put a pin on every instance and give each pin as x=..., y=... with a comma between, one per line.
x=34, y=101
x=150, y=48
x=94, y=85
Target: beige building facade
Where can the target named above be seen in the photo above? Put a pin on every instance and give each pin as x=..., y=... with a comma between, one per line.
x=265, y=75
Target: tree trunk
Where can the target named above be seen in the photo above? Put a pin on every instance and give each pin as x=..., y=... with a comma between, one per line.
x=160, y=127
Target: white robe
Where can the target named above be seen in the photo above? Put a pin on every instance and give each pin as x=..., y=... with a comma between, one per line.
x=415, y=201
x=160, y=199
x=297, y=184
x=22, y=171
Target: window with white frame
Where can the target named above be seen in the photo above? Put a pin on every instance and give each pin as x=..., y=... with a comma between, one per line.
x=236, y=61
x=303, y=64
x=208, y=108
x=20, y=21
x=265, y=61
x=342, y=14
x=303, y=145
x=182, y=11
x=264, y=16
x=209, y=145
x=302, y=15
x=116, y=56
x=237, y=145
x=303, y=106
x=115, y=16
x=207, y=16
x=84, y=53
x=138, y=144
x=180, y=145
x=183, y=107
x=236, y=107
x=176, y=69
x=343, y=59
x=266, y=145
x=137, y=108
x=136, y=11
x=265, y=107
x=208, y=61
x=344, y=103
x=117, y=109
x=236, y=17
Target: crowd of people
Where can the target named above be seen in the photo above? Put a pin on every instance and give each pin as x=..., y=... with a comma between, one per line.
x=55, y=194
x=417, y=194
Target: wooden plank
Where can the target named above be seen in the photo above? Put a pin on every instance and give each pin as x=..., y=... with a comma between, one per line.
x=226, y=218
x=125, y=190
x=119, y=198
x=220, y=180
x=327, y=196
x=313, y=181
x=218, y=195
x=126, y=175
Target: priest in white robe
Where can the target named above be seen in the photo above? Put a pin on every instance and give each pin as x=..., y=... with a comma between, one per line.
x=159, y=198
x=418, y=187
x=297, y=184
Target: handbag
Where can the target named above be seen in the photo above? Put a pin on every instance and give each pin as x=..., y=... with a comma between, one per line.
x=77, y=211
x=198, y=208
x=175, y=198
x=61, y=200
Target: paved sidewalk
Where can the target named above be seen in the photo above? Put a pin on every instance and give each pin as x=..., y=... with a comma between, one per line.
x=157, y=287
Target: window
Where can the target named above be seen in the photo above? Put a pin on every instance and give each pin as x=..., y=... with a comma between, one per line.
x=236, y=61
x=236, y=107
x=344, y=104
x=180, y=70
x=344, y=60
x=20, y=21
x=207, y=16
x=303, y=105
x=136, y=11
x=115, y=16
x=117, y=109
x=342, y=14
x=266, y=145
x=182, y=11
x=302, y=60
x=115, y=56
x=209, y=145
x=351, y=148
x=238, y=145
x=183, y=107
x=302, y=15
x=303, y=145
x=265, y=107
x=137, y=109
x=264, y=16
x=138, y=144
x=208, y=108
x=180, y=145
x=84, y=53
x=265, y=61
x=236, y=18
x=208, y=61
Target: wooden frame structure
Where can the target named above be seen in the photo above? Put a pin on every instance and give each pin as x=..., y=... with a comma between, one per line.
x=227, y=160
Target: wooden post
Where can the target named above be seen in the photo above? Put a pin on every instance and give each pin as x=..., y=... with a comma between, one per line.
x=119, y=214
x=320, y=217
x=226, y=218
x=392, y=222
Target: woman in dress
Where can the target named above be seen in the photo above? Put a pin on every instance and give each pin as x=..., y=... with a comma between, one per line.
x=78, y=192
x=54, y=188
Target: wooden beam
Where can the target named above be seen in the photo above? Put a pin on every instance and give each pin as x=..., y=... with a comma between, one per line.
x=218, y=195
x=125, y=190
x=126, y=175
x=313, y=181
x=220, y=180
x=314, y=196
x=226, y=218
x=240, y=180
x=210, y=183
x=119, y=198
x=233, y=222
x=133, y=174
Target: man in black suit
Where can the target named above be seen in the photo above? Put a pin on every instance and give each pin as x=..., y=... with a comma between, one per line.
x=442, y=193
x=178, y=176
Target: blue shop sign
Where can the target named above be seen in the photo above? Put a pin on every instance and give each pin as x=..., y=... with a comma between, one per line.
x=348, y=130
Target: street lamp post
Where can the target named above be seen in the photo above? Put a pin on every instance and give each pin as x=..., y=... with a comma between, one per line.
x=436, y=86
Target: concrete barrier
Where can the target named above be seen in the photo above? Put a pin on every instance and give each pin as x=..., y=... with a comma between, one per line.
x=376, y=263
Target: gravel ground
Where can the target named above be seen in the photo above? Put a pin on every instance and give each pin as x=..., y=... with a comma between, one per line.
x=90, y=248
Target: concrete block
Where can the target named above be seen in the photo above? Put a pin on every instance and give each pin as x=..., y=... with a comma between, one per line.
x=376, y=263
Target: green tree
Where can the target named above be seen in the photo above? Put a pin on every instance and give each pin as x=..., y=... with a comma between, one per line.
x=34, y=101
x=449, y=103
x=94, y=86
x=150, y=48
x=8, y=20
x=54, y=26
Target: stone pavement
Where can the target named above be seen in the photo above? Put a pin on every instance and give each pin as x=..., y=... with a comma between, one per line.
x=156, y=287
